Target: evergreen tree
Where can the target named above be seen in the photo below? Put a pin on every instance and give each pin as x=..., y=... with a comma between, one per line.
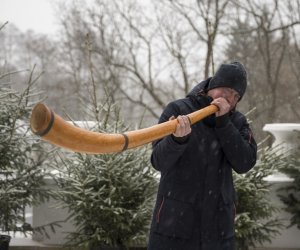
x=255, y=220
x=109, y=197
x=21, y=159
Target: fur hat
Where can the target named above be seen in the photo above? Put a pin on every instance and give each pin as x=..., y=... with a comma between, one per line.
x=232, y=75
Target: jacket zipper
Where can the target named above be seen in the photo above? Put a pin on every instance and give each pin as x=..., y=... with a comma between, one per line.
x=159, y=210
x=250, y=138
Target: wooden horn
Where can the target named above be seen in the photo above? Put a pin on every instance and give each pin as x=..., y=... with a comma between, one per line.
x=54, y=129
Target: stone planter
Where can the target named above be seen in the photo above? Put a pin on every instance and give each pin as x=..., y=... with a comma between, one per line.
x=4, y=242
x=287, y=138
x=287, y=135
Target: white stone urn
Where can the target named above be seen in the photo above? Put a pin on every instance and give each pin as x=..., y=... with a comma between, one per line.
x=287, y=135
x=287, y=138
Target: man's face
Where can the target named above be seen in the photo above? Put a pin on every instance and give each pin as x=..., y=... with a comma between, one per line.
x=231, y=96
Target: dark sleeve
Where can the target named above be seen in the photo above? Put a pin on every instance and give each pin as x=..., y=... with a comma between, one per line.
x=238, y=144
x=167, y=151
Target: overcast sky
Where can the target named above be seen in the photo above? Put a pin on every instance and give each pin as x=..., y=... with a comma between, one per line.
x=34, y=15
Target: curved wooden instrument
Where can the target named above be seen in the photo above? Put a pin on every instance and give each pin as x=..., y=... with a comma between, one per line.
x=54, y=129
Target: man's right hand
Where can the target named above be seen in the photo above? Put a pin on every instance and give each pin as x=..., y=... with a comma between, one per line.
x=183, y=127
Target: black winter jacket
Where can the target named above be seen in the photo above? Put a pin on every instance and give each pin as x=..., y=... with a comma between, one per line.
x=195, y=201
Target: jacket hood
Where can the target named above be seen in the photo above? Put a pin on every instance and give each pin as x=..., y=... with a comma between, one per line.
x=200, y=87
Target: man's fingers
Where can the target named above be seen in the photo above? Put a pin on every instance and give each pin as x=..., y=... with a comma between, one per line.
x=183, y=127
x=172, y=118
x=186, y=120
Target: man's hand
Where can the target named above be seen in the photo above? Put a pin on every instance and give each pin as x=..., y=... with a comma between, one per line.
x=183, y=128
x=223, y=105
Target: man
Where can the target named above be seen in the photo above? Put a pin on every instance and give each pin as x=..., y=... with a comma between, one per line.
x=195, y=202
